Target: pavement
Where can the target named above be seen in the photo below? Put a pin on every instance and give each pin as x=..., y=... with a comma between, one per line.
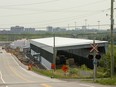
x=15, y=74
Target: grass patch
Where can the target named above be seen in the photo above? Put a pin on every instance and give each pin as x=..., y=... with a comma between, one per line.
x=56, y=74
x=73, y=73
x=107, y=81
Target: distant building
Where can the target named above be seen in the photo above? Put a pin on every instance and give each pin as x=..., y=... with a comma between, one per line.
x=49, y=28
x=5, y=32
x=84, y=27
x=17, y=30
x=29, y=30
x=77, y=29
x=58, y=29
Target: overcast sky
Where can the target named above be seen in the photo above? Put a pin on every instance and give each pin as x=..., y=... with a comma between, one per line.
x=42, y=13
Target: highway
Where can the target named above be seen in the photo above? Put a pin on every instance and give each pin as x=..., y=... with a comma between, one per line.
x=13, y=75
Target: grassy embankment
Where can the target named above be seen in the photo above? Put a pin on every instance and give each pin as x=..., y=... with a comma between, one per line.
x=76, y=73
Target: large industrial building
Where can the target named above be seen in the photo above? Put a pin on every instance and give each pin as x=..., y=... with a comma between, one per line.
x=65, y=48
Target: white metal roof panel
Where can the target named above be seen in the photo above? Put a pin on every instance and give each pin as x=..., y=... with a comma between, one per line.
x=61, y=41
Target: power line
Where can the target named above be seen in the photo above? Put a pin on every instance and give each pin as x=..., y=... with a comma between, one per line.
x=61, y=19
x=30, y=3
x=72, y=18
x=19, y=14
x=53, y=10
x=88, y=4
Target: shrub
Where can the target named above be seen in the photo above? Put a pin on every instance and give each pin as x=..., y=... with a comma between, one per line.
x=73, y=71
x=84, y=67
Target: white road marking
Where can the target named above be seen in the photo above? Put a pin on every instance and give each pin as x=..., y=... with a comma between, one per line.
x=85, y=85
x=2, y=78
x=32, y=73
x=46, y=85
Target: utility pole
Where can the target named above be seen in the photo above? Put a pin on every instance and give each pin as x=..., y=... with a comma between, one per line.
x=112, y=39
x=68, y=26
x=75, y=25
x=54, y=50
x=98, y=25
x=53, y=66
x=86, y=23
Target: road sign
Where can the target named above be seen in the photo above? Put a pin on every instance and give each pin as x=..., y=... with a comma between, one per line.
x=94, y=47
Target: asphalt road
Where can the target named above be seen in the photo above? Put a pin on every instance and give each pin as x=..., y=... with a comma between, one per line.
x=13, y=75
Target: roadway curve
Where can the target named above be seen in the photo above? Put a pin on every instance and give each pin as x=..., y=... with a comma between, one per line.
x=13, y=75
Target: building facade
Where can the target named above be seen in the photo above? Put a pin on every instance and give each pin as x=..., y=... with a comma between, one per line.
x=65, y=48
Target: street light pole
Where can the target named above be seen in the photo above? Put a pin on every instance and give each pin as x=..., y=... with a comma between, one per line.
x=86, y=23
x=98, y=25
x=75, y=25
x=54, y=50
x=112, y=39
x=68, y=26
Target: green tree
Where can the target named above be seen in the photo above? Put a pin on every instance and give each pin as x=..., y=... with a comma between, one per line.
x=105, y=61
